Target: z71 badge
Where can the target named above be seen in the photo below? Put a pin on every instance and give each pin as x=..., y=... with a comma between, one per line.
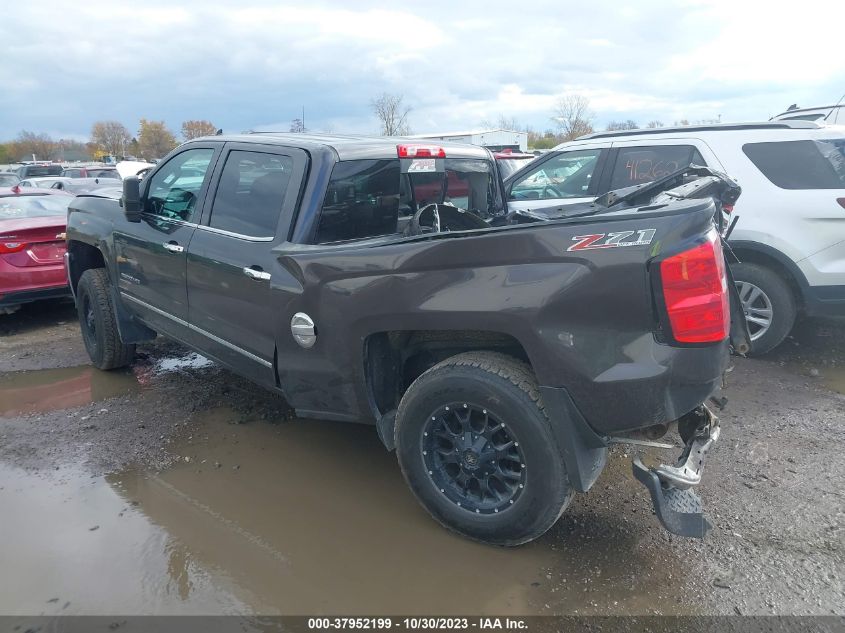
x=612, y=240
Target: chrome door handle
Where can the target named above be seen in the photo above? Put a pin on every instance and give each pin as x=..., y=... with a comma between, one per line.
x=173, y=247
x=252, y=273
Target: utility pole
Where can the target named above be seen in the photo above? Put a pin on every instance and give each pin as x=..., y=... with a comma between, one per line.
x=303, y=118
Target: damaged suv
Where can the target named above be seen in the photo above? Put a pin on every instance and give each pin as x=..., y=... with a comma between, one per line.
x=498, y=351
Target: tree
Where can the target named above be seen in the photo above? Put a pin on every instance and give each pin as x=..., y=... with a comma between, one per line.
x=196, y=129
x=654, y=124
x=28, y=144
x=297, y=126
x=621, y=125
x=503, y=123
x=573, y=116
x=111, y=137
x=154, y=139
x=392, y=114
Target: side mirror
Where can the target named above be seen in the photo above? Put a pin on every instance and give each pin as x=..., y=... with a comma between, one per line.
x=131, y=200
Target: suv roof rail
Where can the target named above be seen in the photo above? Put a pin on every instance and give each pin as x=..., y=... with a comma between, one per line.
x=714, y=127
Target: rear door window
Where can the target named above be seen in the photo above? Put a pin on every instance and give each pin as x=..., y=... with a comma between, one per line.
x=362, y=200
x=637, y=165
x=250, y=193
x=800, y=164
x=565, y=175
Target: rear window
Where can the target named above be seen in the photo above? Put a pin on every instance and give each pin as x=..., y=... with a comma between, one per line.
x=637, y=165
x=800, y=164
x=33, y=171
x=373, y=198
x=14, y=207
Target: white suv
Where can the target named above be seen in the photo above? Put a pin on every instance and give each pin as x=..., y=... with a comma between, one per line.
x=790, y=236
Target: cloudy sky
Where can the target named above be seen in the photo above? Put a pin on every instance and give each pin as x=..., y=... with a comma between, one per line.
x=247, y=64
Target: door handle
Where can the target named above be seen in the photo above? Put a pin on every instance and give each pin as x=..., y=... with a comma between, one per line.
x=173, y=247
x=256, y=273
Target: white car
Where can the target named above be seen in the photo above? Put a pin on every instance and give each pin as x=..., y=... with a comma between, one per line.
x=829, y=115
x=790, y=235
x=43, y=182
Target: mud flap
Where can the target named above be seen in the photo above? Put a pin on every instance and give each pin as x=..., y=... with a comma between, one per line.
x=679, y=510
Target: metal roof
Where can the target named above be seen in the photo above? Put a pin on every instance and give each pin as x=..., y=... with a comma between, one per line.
x=348, y=146
x=715, y=127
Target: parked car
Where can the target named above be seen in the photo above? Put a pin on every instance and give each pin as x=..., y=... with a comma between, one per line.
x=8, y=179
x=32, y=246
x=30, y=170
x=43, y=182
x=830, y=115
x=790, y=233
x=76, y=186
x=499, y=352
x=510, y=161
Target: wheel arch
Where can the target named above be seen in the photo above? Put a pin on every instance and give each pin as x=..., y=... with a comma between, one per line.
x=762, y=255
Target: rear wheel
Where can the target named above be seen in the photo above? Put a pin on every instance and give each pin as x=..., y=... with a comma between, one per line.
x=98, y=322
x=768, y=305
x=476, y=448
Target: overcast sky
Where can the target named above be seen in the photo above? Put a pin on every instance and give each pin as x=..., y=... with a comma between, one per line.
x=249, y=64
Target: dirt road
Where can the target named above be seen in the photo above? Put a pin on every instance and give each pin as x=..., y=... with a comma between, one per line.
x=177, y=487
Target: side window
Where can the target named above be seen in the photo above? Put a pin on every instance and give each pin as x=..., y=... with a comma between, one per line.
x=362, y=200
x=174, y=189
x=818, y=164
x=251, y=192
x=565, y=175
x=636, y=165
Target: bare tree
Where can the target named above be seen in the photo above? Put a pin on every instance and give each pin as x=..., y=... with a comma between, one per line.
x=110, y=136
x=29, y=144
x=392, y=114
x=297, y=126
x=573, y=116
x=654, y=124
x=622, y=125
x=503, y=122
x=196, y=129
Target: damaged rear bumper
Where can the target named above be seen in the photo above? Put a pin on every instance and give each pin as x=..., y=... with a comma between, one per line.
x=672, y=487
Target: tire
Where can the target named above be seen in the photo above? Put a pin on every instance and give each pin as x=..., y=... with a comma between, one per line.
x=774, y=291
x=98, y=322
x=525, y=485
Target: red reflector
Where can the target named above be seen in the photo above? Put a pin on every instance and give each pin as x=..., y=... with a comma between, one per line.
x=16, y=189
x=695, y=289
x=728, y=208
x=420, y=151
x=11, y=247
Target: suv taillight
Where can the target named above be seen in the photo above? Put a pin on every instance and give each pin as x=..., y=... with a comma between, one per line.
x=695, y=291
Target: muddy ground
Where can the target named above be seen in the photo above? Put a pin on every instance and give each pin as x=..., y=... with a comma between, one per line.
x=177, y=487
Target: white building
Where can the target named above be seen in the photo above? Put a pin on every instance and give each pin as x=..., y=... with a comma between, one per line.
x=492, y=139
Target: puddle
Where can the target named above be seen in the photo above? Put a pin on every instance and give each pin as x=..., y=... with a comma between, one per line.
x=43, y=390
x=53, y=562
x=307, y=517
x=834, y=378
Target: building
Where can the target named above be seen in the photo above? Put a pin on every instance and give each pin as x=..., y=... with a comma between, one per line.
x=492, y=139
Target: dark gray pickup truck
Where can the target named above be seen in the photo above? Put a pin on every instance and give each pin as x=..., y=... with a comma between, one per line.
x=383, y=281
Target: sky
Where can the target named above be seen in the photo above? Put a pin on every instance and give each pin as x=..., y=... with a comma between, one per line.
x=255, y=65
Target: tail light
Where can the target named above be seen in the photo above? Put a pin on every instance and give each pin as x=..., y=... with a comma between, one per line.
x=695, y=291
x=841, y=202
x=728, y=208
x=420, y=151
x=12, y=247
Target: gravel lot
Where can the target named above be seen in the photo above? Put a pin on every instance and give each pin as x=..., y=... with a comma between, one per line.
x=180, y=488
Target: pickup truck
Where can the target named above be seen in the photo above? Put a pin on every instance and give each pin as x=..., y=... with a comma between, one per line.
x=377, y=280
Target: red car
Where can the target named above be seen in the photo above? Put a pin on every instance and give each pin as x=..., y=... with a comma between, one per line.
x=32, y=246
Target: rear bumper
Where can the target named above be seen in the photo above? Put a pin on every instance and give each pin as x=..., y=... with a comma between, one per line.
x=26, y=296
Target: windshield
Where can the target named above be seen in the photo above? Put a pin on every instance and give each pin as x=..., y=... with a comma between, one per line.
x=15, y=207
x=510, y=166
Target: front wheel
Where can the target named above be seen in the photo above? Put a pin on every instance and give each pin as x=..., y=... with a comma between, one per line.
x=768, y=305
x=98, y=322
x=476, y=448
